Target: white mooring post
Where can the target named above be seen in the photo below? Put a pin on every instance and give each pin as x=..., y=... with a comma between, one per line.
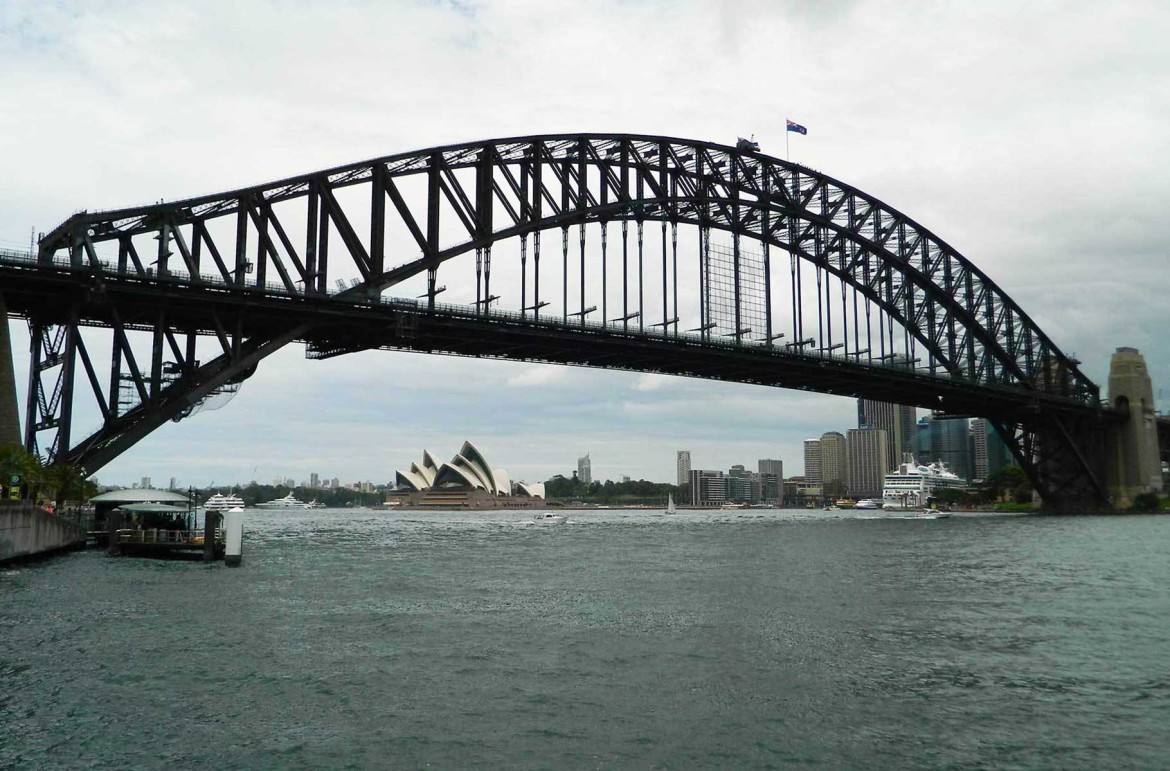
x=233, y=534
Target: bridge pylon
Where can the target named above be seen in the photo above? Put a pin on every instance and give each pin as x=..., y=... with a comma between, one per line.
x=1134, y=465
x=9, y=412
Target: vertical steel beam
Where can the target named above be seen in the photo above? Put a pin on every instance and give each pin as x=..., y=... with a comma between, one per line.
x=241, y=242
x=433, y=179
x=537, y=216
x=525, y=219
x=69, y=365
x=322, y=243
x=313, y=201
x=156, y=354
x=37, y=333
x=377, y=228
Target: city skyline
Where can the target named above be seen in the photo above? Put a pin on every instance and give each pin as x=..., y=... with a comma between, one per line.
x=985, y=164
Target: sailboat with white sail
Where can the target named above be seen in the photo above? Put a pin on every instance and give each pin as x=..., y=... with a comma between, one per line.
x=670, y=504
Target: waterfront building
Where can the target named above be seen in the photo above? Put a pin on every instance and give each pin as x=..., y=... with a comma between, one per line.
x=866, y=462
x=770, y=491
x=708, y=488
x=833, y=464
x=812, y=461
x=743, y=486
x=897, y=420
x=771, y=477
x=684, y=466
x=797, y=491
x=467, y=480
x=314, y=480
x=585, y=470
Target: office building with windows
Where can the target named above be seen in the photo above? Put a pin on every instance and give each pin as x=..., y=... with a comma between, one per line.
x=684, y=466
x=866, y=462
x=585, y=470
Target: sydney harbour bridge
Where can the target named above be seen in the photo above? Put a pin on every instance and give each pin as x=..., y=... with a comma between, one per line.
x=633, y=252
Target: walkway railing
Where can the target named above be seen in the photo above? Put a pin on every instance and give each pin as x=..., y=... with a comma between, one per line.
x=164, y=537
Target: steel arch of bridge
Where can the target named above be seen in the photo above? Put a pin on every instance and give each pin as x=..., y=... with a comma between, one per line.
x=972, y=333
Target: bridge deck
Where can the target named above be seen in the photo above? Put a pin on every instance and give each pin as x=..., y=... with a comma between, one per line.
x=348, y=321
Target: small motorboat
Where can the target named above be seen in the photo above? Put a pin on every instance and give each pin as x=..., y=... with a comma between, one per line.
x=548, y=518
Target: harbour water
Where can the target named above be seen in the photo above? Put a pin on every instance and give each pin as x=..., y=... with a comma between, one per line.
x=784, y=639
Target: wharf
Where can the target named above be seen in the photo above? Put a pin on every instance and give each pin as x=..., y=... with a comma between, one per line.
x=166, y=544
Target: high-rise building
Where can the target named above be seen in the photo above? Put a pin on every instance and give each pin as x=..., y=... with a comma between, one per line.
x=812, y=462
x=989, y=453
x=146, y=482
x=174, y=484
x=979, y=447
x=897, y=420
x=314, y=480
x=866, y=462
x=708, y=488
x=950, y=440
x=771, y=480
x=684, y=466
x=923, y=452
x=585, y=470
x=769, y=466
x=833, y=464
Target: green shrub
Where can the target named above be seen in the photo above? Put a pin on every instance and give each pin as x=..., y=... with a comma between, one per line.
x=1147, y=502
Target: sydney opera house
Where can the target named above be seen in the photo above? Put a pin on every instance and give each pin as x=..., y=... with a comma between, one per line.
x=467, y=480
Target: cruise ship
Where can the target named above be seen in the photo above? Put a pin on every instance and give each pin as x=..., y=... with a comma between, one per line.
x=221, y=502
x=913, y=485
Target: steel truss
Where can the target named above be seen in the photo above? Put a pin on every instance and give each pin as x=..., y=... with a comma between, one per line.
x=219, y=261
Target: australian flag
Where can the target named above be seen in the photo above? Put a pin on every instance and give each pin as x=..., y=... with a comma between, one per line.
x=799, y=129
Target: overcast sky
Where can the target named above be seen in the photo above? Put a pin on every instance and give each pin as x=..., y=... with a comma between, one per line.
x=1032, y=137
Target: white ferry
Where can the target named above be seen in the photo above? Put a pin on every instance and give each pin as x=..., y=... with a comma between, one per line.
x=221, y=502
x=912, y=485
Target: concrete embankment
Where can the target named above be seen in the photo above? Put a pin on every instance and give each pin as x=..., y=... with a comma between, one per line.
x=30, y=531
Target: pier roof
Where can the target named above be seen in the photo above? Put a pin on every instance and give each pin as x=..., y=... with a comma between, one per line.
x=139, y=495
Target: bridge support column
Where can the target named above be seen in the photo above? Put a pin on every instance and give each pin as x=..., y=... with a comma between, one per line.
x=1134, y=465
x=9, y=413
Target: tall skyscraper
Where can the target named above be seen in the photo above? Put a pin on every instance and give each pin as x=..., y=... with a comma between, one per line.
x=990, y=454
x=812, y=461
x=897, y=420
x=923, y=450
x=684, y=467
x=866, y=462
x=585, y=470
x=979, y=447
x=833, y=464
x=950, y=439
